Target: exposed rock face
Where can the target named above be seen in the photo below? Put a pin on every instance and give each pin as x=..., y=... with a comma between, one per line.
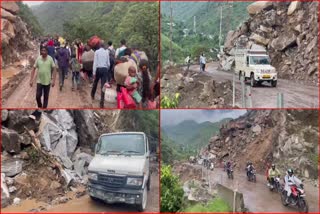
x=289, y=32
x=287, y=138
x=15, y=37
x=258, y=6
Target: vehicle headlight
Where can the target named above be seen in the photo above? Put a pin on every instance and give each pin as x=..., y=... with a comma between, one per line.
x=135, y=181
x=93, y=176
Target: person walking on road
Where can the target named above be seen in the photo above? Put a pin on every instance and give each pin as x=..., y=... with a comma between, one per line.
x=202, y=62
x=87, y=62
x=188, y=61
x=101, y=65
x=63, y=58
x=44, y=65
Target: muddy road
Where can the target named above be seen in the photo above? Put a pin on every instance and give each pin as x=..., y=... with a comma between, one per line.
x=257, y=196
x=296, y=95
x=17, y=93
x=86, y=204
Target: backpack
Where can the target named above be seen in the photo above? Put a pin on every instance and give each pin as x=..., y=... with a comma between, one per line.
x=75, y=65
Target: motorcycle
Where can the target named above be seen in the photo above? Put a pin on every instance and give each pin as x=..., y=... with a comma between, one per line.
x=274, y=184
x=252, y=176
x=211, y=166
x=297, y=198
x=230, y=173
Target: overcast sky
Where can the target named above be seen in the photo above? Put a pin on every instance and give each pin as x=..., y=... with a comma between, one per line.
x=173, y=117
x=31, y=3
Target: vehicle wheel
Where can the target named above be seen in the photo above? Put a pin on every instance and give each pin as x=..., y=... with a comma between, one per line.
x=239, y=75
x=94, y=198
x=141, y=207
x=283, y=198
x=303, y=206
x=149, y=183
x=254, y=178
x=274, y=83
x=253, y=83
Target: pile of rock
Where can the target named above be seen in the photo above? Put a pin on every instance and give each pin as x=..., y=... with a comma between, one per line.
x=58, y=135
x=287, y=138
x=289, y=32
x=15, y=37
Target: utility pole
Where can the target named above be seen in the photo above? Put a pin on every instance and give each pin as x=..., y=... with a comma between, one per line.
x=220, y=28
x=194, y=25
x=171, y=32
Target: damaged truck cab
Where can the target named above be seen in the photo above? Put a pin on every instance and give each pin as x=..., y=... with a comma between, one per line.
x=119, y=171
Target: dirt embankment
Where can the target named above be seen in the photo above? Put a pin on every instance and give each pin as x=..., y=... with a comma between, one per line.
x=196, y=89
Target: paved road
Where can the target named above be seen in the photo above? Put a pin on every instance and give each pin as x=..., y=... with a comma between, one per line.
x=296, y=95
x=257, y=197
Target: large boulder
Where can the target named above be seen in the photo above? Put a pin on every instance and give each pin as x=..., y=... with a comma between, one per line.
x=20, y=119
x=259, y=39
x=7, y=27
x=4, y=115
x=283, y=41
x=11, y=167
x=5, y=195
x=293, y=7
x=5, y=14
x=258, y=6
x=86, y=128
x=11, y=141
x=10, y=6
x=82, y=161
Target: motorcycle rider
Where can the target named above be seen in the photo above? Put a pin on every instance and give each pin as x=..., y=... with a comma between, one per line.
x=249, y=167
x=272, y=174
x=228, y=166
x=289, y=180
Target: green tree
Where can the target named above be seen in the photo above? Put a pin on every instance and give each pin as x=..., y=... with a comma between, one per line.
x=171, y=191
x=27, y=16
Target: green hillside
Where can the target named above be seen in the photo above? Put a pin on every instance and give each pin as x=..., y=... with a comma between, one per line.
x=190, y=135
x=28, y=17
x=206, y=38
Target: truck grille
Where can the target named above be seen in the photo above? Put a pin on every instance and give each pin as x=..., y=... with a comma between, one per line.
x=111, y=181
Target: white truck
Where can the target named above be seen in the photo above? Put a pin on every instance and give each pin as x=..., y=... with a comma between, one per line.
x=119, y=171
x=254, y=65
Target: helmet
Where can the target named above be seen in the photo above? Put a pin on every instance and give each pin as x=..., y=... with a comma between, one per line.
x=290, y=172
x=273, y=166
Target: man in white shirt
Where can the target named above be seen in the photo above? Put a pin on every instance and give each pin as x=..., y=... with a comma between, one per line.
x=101, y=65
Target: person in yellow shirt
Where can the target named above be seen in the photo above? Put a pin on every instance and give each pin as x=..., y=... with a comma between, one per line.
x=273, y=173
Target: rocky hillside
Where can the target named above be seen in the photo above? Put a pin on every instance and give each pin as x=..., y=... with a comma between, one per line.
x=15, y=37
x=288, y=138
x=46, y=157
x=289, y=32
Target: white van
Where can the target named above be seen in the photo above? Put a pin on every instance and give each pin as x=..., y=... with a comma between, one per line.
x=254, y=65
x=119, y=171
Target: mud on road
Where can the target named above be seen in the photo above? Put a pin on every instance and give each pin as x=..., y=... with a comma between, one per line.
x=86, y=204
x=17, y=93
x=296, y=95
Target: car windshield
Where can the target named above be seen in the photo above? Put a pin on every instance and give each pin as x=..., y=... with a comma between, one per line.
x=259, y=60
x=121, y=144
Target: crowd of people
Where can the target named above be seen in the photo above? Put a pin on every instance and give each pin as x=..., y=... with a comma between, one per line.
x=93, y=62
